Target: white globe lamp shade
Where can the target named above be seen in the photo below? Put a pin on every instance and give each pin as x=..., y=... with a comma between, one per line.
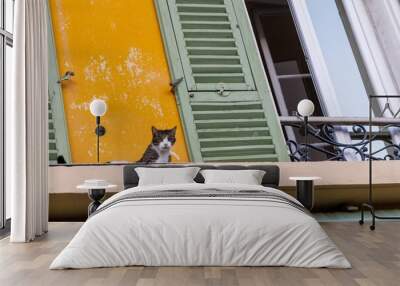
x=98, y=107
x=305, y=107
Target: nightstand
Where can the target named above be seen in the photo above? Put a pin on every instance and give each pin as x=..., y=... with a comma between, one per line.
x=96, y=191
x=305, y=190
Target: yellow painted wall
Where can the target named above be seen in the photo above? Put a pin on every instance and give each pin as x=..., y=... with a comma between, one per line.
x=116, y=51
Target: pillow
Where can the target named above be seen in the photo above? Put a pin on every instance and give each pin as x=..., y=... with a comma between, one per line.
x=166, y=176
x=247, y=177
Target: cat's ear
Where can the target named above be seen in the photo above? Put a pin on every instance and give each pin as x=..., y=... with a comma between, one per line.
x=153, y=130
x=173, y=131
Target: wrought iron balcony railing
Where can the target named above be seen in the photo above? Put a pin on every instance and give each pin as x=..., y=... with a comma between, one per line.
x=342, y=138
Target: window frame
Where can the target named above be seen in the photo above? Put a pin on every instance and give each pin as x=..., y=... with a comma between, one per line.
x=270, y=66
x=317, y=64
x=242, y=23
x=274, y=77
x=6, y=39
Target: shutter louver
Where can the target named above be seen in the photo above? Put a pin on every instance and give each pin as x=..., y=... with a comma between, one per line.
x=223, y=110
x=210, y=45
x=53, y=152
x=233, y=131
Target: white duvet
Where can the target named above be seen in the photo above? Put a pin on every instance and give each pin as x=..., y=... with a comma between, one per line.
x=200, y=231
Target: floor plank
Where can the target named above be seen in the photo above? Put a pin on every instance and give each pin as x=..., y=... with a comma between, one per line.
x=375, y=257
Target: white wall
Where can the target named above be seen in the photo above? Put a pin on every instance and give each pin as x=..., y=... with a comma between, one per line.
x=65, y=179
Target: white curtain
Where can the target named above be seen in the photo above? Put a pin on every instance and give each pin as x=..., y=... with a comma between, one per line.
x=27, y=123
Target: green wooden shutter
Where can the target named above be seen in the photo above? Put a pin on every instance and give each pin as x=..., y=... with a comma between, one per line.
x=53, y=153
x=210, y=45
x=224, y=99
x=58, y=131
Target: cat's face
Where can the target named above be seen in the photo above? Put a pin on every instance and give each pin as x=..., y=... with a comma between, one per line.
x=163, y=139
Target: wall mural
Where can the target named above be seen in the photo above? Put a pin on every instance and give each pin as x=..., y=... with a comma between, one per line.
x=122, y=89
x=220, y=109
x=115, y=51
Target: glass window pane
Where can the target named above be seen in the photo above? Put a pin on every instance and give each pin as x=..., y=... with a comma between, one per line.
x=283, y=56
x=339, y=57
x=296, y=89
x=281, y=35
x=8, y=89
x=9, y=11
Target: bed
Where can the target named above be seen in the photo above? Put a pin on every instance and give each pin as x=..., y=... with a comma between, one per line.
x=199, y=224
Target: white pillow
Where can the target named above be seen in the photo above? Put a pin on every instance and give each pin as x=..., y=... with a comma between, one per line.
x=166, y=176
x=247, y=177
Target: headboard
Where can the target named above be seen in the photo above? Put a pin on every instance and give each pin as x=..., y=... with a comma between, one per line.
x=271, y=178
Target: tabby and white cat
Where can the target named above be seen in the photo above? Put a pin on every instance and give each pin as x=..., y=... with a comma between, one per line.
x=159, y=150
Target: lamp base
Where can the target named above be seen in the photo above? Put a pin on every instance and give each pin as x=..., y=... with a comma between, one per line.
x=100, y=130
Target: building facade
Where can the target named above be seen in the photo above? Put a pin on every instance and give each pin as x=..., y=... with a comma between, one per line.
x=229, y=74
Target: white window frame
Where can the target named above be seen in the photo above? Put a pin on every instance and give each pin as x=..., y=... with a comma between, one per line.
x=315, y=58
x=376, y=70
x=319, y=69
x=6, y=39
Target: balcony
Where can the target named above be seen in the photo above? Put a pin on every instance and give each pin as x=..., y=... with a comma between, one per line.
x=342, y=138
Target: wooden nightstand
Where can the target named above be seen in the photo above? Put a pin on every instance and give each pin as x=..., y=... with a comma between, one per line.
x=305, y=190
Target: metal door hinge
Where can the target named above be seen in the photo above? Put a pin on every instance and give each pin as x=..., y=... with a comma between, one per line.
x=174, y=84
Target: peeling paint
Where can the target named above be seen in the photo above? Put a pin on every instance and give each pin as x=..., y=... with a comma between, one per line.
x=132, y=62
x=120, y=70
x=97, y=68
x=154, y=104
x=79, y=106
x=152, y=76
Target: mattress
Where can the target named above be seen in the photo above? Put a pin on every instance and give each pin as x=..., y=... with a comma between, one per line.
x=201, y=225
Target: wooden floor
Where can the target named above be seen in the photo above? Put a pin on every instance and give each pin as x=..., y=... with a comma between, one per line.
x=375, y=257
